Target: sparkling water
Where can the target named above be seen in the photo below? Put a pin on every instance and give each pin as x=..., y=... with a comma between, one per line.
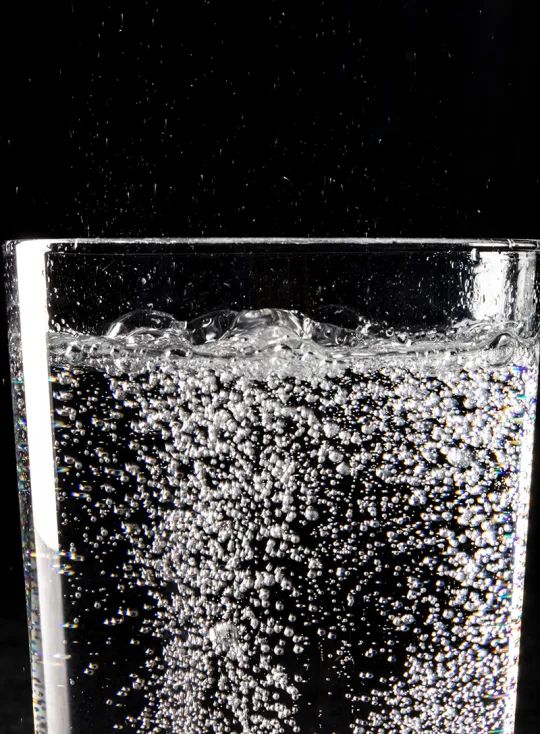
x=272, y=525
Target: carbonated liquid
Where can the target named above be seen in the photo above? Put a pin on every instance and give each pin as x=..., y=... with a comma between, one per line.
x=269, y=525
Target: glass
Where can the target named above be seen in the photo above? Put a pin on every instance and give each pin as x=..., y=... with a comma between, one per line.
x=274, y=485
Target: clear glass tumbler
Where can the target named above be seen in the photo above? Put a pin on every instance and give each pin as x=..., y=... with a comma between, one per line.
x=271, y=485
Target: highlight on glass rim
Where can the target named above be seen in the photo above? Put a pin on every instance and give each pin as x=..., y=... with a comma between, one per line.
x=274, y=486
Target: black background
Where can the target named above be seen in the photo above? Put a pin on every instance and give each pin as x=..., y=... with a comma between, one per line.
x=263, y=117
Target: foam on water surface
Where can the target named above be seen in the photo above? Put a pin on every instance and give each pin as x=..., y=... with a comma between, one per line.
x=145, y=338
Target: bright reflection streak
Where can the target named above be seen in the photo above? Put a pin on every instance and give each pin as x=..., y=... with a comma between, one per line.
x=32, y=290
x=490, y=286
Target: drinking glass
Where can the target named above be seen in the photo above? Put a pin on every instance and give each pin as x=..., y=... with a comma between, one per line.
x=274, y=485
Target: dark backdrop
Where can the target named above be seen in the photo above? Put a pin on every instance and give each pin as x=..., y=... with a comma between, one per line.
x=337, y=117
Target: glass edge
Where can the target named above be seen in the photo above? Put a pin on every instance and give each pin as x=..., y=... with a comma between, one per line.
x=412, y=243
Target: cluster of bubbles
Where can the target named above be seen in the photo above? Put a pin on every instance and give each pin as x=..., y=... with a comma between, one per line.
x=292, y=544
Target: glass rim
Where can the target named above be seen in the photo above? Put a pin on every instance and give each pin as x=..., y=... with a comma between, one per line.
x=69, y=245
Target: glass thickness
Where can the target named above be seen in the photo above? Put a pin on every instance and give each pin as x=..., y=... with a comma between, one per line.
x=274, y=485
